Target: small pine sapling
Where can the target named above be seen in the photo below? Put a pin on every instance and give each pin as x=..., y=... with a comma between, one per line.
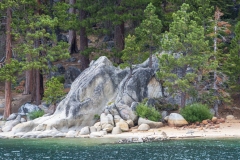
x=54, y=92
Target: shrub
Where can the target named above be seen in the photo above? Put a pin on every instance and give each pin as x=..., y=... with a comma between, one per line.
x=96, y=117
x=196, y=112
x=148, y=112
x=36, y=114
x=61, y=79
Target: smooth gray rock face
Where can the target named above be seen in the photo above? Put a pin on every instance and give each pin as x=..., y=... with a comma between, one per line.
x=28, y=108
x=106, y=119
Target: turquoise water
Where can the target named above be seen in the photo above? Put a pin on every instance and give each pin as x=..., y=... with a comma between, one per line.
x=100, y=149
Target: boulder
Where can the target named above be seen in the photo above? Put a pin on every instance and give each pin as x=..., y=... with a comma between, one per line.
x=9, y=125
x=106, y=119
x=28, y=108
x=85, y=131
x=214, y=119
x=130, y=123
x=24, y=127
x=98, y=85
x=96, y=134
x=164, y=114
x=71, y=74
x=93, y=129
x=230, y=117
x=177, y=120
x=122, y=125
x=12, y=116
x=71, y=134
x=116, y=130
x=205, y=122
x=152, y=124
x=107, y=127
x=144, y=127
x=117, y=118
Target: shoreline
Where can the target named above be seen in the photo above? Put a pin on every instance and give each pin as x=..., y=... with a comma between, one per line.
x=228, y=129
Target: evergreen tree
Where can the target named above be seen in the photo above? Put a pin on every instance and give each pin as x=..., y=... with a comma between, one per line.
x=131, y=53
x=149, y=31
x=232, y=65
x=184, y=54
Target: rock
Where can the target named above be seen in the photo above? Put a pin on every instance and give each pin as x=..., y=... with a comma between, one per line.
x=134, y=106
x=106, y=119
x=9, y=125
x=144, y=127
x=24, y=127
x=130, y=123
x=110, y=45
x=40, y=127
x=62, y=37
x=164, y=114
x=23, y=120
x=85, y=131
x=166, y=118
x=107, y=127
x=71, y=74
x=28, y=108
x=60, y=69
x=12, y=116
x=152, y=124
x=122, y=125
x=177, y=120
x=214, y=119
x=204, y=122
x=230, y=117
x=103, y=132
x=71, y=134
x=98, y=126
x=72, y=59
x=96, y=134
x=116, y=130
x=117, y=118
x=93, y=129
x=98, y=85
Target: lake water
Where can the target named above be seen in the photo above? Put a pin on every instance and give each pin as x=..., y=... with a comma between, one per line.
x=100, y=149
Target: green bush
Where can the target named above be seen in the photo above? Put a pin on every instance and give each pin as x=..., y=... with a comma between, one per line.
x=148, y=112
x=61, y=79
x=96, y=117
x=196, y=112
x=36, y=114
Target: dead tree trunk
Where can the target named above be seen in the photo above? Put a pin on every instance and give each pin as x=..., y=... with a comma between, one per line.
x=8, y=94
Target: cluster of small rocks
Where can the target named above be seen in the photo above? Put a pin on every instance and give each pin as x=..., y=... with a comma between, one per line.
x=152, y=138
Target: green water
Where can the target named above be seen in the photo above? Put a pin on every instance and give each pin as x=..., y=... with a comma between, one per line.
x=100, y=149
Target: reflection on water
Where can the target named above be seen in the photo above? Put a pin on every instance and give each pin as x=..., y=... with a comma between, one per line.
x=100, y=149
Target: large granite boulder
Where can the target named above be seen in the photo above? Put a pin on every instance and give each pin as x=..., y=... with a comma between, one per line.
x=28, y=108
x=96, y=87
x=123, y=125
x=152, y=124
x=177, y=120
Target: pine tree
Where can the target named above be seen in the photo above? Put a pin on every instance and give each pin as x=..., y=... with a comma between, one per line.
x=131, y=53
x=149, y=31
x=184, y=54
x=232, y=65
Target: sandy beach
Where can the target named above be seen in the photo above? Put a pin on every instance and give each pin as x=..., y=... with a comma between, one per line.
x=228, y=129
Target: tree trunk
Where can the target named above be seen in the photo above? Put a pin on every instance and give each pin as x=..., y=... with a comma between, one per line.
x=8, y=94
x=38, y=96
x=28, y=82
x=72, y=40
x=83, y=43
x=183, y=99
x=119, y=37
